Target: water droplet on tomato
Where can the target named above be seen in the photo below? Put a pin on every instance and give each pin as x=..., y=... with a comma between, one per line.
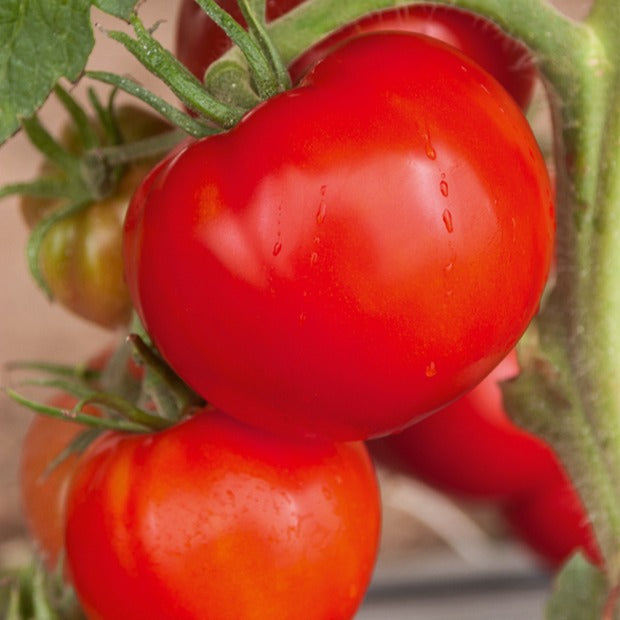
x=443, y=188
x=314, y=257
x=446, y=216
x=302, y=318
x=277, y=248
x=320, y=214
x=431, y=370
x=428, y=148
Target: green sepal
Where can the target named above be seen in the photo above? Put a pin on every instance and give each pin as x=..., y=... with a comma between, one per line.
x=193, y=127
x=580, y=592
x=73, y=416
x=164, y=65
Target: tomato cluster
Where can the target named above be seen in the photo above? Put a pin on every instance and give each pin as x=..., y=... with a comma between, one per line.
x=359, y=252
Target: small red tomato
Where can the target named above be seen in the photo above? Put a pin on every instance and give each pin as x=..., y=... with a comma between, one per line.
x=554, y=523
x=213, y=519
x=44, y=490
x=471, y=448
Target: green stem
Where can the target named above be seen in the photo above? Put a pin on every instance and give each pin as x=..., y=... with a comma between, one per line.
x=255, y=19
x=134, y=151
x=263, y=76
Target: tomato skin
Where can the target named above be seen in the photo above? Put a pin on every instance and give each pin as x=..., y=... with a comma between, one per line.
x=213, y=519
x=554, y=523
x=81, y=256
x=199, y=42
x=471, y=448
x=349, y=281
x=504, y=58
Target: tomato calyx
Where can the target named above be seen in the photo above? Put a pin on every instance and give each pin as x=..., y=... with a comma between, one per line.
x=239, y=90
x=148, y=398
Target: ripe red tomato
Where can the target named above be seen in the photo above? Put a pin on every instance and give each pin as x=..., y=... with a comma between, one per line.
x=471, y=448
x=356, y=252
x=213, y=519
x=43, y=492
x=199, y=41
x=554, y=523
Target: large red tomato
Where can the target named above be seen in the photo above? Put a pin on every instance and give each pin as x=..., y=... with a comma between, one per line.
x=213, y=519
x=357, y=252
x=471, y=448
x=199, y=41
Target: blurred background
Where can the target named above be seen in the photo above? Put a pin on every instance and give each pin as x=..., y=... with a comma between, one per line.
x=459, y=543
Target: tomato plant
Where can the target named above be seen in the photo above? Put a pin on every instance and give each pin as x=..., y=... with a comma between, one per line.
x=199, y=41
x=292, y=315
x=471, y=448
x=213, y=519
x=349, y=281
x=80, y=256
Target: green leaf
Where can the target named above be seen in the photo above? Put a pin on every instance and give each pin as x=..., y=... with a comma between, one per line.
x=118, y=8
x=40, y=42
x=580, y=592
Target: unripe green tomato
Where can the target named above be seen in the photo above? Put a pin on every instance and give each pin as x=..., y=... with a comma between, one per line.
x=81, y=257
